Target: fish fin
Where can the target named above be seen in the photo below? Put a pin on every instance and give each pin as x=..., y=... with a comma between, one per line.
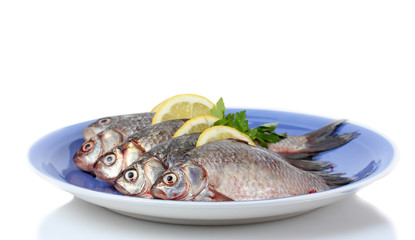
x=296, y=156
x=310, y=165
x=211, y=195
x=219, y=197
x=335, y=180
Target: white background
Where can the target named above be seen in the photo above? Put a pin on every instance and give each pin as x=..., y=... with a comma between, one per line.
x=64, y=62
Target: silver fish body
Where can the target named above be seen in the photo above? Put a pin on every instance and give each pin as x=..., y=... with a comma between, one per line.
x=227, y=170
x=104, y=141
x=168, y=152
x=110, y=164
x=138, y=178
x=103, y=123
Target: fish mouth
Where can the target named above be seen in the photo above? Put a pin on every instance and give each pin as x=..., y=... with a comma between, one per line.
x=119, y=187
x=158, y=193
x=101, y=175
x=82, y=162
x=127, y=189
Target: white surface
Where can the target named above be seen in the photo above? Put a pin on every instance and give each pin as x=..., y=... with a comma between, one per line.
x=65, y=62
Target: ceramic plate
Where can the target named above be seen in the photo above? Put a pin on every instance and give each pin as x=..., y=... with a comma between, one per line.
x=368, y=157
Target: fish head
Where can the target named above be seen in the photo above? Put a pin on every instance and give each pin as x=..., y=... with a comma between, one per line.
x=184, y=181
x=109, y=165
x=98, y=126
x=87, y=154
x=137, y=179
x=112, y=163
x=92, y=149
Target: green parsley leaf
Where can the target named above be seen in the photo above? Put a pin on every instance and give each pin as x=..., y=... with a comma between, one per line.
x=240, y=123
x=219, y=109
x=263, y=134
x=269, y=126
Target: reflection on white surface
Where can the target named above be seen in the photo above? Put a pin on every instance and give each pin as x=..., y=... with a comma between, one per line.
x=350, y=218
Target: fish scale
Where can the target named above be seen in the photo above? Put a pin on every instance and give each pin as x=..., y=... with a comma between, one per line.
x=157, y=133
x=106, y=122
x=132, y=124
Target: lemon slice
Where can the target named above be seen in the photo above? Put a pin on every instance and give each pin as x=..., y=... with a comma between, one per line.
x=222, y=132
x=181, y=107
x=196, y=125
x=156, y=108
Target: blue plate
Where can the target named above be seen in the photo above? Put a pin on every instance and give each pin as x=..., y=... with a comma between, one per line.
x=368, y=157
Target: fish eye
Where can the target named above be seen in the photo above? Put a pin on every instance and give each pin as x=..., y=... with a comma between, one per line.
x=109, y=159
x=170, y=178
x=87, y=146
x=130, y=175
x=104, y=121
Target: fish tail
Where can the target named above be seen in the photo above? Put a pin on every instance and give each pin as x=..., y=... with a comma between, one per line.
x=320, y=140
x=320, y=168
x=335, y=180
x=326, y=130
x=323, y=139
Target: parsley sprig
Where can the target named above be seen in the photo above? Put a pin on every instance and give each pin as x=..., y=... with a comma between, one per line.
x=263, y=134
